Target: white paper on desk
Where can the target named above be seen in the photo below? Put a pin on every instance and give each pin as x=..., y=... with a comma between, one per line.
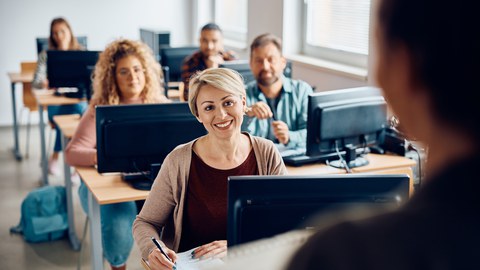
x=186, y=262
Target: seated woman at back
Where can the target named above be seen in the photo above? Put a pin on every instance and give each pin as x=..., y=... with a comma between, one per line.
x=189, y=196
x=126, y=73
x=62, y=39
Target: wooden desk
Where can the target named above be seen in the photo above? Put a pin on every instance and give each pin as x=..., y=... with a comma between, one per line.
x=383, y=164
x=104, y=189
x=46, y=98
x=110, y=188
x=68, y=124
x=16, y=77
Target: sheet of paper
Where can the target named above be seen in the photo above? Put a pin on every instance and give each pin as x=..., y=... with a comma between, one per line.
x=186, y=262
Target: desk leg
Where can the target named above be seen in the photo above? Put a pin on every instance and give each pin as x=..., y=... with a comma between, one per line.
x=95, y=232
x=16, y=150
x=72, y=235
x=43, y=147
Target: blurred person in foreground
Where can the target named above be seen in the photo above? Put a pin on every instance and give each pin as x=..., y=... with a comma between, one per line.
x=427, y=67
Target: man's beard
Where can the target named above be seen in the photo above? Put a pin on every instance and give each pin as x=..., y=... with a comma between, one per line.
x=266, y=82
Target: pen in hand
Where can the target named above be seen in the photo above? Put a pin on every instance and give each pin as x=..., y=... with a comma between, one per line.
x=161, y=249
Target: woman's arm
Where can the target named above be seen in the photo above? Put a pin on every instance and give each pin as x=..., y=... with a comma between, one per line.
x=40, y=76
x=82, y=149
x=158, y=208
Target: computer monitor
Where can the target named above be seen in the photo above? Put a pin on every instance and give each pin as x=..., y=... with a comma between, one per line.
x=135, y=139
x=42, y=43
x=173, y=58
x=343, y=124
x=263, y=206
x=155, y=39
x=72, y=69
x=243, y=67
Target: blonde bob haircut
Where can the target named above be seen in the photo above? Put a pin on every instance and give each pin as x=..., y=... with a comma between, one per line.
x=224, y=79
x=106, y=91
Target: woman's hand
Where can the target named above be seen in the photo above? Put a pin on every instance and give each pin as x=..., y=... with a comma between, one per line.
x=157, y=261
x=217, y=249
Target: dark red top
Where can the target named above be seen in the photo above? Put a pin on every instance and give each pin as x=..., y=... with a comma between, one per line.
x=205, y=214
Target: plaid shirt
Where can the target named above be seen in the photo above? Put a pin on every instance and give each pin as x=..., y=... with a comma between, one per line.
x=195, y=62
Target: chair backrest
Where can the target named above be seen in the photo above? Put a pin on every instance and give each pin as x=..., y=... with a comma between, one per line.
x=29, y=100
x=173, y=58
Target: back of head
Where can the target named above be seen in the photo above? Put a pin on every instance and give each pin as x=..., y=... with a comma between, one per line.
x=444, y=40
x=265, y=39
x=211, y=26
x=225, y=79
x=52, y=44
x=106, y=91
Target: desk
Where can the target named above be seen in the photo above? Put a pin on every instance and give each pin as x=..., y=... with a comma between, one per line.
x=104, y=189
x=109, y=188
x=16, y=77
x=46, y=98
x=67, y=125
x=383, y=164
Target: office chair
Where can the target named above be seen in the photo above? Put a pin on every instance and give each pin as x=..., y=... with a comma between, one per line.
x=29, y=101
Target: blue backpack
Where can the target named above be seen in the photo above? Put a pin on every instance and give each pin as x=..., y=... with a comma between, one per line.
x=43, y=215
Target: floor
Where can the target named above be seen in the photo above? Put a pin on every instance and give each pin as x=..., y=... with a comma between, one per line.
x=17, y=178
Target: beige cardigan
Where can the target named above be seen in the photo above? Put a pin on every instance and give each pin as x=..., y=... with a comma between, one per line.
x=165, y=203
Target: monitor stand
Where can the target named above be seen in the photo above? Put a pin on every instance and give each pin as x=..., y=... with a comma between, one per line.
x=142, y=180
x=351, y=159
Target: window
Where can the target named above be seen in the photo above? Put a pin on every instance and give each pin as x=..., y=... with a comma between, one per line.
x=231, y=16
x=337, y=30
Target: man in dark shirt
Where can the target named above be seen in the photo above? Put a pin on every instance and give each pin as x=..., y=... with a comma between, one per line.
x=211, y=54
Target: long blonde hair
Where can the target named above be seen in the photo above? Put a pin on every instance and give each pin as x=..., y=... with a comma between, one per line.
x=106, y=90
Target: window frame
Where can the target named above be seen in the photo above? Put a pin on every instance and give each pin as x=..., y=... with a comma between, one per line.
x=235, y=35
x=329, y=54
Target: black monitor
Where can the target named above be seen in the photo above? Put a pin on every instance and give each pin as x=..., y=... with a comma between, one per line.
x=42, y=43
x=155, y=39
x=173, y=59
x=342, y=126
x=243, y=67
x=135, y=139
x=72, y=69
x=263, y=206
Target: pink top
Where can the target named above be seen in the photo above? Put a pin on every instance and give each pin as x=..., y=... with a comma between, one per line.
x=82, y=149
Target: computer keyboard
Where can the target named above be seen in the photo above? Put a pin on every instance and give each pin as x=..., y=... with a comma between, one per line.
x=304, y=159
x=289, y=151
x=138, y=180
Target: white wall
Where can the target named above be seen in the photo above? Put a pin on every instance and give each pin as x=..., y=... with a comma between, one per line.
x=104, y=20
x=100, y=20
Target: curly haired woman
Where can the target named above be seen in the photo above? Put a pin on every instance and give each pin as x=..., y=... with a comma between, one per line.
x=126, y=73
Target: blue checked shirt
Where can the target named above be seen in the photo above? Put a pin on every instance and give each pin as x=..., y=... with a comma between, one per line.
x=292, y=108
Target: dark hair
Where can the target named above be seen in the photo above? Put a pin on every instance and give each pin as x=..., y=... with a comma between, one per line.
x=265, y=39
x=443, y=39
x=52, y=44
x=211, y=26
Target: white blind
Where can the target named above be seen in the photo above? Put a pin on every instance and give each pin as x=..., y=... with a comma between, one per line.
x=341, y=25
x=231, y=16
